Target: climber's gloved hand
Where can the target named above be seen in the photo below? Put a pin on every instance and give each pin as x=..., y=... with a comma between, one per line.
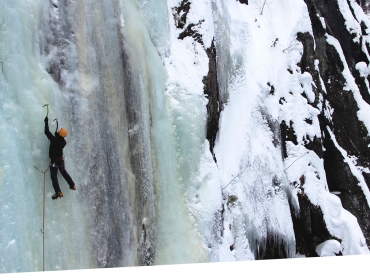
x=46, y=119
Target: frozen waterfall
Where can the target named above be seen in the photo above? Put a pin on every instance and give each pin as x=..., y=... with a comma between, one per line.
x=127, y=78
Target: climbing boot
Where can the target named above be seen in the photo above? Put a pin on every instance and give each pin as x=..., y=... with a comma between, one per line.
x=73, y=188
x=56, y=195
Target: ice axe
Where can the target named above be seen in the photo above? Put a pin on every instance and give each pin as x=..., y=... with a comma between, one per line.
x=47, y=109
x=56, y=120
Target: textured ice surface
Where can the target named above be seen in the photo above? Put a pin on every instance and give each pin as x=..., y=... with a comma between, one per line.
x=130, y=92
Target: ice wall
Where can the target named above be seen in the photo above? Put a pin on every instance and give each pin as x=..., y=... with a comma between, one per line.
x=98, y=66
x=25, y=88
x=127, y=79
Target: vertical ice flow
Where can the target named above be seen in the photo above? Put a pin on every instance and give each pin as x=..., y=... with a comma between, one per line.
x=100, y=71
x=25, y=86
x=130, y=93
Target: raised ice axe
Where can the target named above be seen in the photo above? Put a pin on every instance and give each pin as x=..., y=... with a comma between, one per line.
x=47, y=109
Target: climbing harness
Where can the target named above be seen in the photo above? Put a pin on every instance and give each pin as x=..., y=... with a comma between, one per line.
x=58, y=158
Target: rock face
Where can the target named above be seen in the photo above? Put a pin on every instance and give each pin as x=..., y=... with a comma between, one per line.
x=210, y=82
x=350, y=133
x=365, y=4
x=309, y=228
x=341, y=130
x=243, y=1
x=211, y=91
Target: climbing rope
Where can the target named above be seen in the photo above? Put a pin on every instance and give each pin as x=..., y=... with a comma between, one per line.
x=296, y=160
x=248, y=165
x=43, y=210
x=236, y=176
x=43, y=219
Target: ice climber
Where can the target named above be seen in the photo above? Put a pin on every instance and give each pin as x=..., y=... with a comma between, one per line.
x=57, y=143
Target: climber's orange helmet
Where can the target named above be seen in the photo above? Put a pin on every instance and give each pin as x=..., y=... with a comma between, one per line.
x=63, y=132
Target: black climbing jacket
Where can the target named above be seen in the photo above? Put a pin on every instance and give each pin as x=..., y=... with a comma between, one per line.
x=57, y=143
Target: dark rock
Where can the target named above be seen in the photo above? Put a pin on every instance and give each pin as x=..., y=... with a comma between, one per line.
x=340, y=179
x=180, y=13
x=363, y=28
x=309, y=226
x=307, y=64
x=287, y=134
x=336, y=27
x=211, y=91
x=309, y=121
x=349, y=131
x=243, y=1
x=272, y=247
x=272, y=88
x=360, y=81
x=315, y=145
x=180, y=16
x=190, y=31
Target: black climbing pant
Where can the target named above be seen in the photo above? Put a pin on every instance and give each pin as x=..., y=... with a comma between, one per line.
x=59, y=164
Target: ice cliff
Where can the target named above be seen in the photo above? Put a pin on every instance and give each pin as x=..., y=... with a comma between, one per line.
x=199, y=131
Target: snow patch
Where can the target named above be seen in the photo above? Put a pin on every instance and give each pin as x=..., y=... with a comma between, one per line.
x=328, y=248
